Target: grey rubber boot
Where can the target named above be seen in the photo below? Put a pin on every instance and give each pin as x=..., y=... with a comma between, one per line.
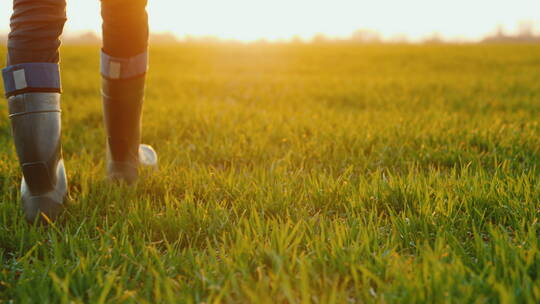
x=36, y=126
x=122, y=109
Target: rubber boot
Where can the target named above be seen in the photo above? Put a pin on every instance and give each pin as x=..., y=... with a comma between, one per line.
x=33, y=93
x=36, y=127
x=122, y=109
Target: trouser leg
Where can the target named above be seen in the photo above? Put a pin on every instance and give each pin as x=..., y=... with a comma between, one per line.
x=36, y=26
x=32, y=86
x=125, y=27
x=124, y=61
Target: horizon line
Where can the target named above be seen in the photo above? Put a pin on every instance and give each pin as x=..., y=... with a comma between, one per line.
x=527, y=32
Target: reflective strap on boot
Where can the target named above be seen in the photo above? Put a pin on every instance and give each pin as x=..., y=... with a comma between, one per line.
x=31, y=77
x=123, y=68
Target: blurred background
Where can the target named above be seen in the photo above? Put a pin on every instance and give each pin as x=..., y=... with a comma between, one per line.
x=305, y=20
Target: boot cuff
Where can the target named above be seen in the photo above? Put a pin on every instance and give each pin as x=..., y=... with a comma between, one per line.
x=31, y=77
x=123, y=68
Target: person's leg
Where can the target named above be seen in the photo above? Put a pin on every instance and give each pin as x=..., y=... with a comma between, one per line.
x=124, y=61
x=32, y=86
x=35, y=30
x=125, y=27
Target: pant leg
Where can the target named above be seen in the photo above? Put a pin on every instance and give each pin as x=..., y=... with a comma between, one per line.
x=36, y=26
x=125, y=27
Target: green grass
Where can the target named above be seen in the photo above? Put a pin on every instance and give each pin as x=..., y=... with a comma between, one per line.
x=296, y=174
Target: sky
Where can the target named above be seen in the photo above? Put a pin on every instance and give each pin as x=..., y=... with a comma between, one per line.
x=250, y=20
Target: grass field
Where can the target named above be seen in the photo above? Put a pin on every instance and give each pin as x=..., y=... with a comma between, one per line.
x=296, y=174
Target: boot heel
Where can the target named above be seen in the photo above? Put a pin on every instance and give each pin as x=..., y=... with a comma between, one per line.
x=45, y=204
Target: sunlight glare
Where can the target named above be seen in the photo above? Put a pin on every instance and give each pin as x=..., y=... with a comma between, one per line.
x=249, y=20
